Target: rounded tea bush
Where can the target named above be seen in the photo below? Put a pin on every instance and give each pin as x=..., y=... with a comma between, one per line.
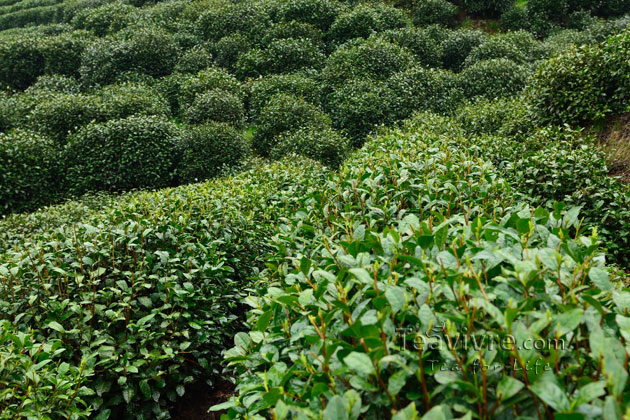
x=248, y=18
x=106, y=19
x=207, y=150
x=285, y=112
x=493, y=79
x=294, y=29
x=229, y=48
x=216, y=105
x=55, y=83
x=132, y=98
x=29, y=171
x=263, y=89
x=490, y=8
x=195, y=59
x=419, y=41
x=458, y=45
x=205, y=80
x=374, y=58
x=497, y=47
x=124, y=154
x=427, y=12
x=322, y=144
x=515, y=19
x=364, y=20
x=280, y=56
x=320, y=13
x=146, y=50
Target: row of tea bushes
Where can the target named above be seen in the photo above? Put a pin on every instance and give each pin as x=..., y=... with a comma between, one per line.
x=415, y=284
x=147, y=290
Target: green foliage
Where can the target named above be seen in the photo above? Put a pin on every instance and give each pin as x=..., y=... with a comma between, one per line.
x=427, y=12
x=229, y=48
x=365, y=19
x=320, y=13
x=493, y=79
x=148, y=290
x=294, y=29
x=503, y=117
x=285, y=112
x=493, y=8
x=216, y=105
x=194, y=60
x=131, y=98
x=280, y=56
x=372, y=294
x=374, y=59
x=124, y=154
x=457, y=46
x=263, y=89
x=34, y=383
x=584, y=84
x=205, y=80
x=208, y=150
x=106, y=19
x=56, y=83
x=29, y=171
x=419, y=41
x=504, y=46
x=145, y=49
x=322, y=144
x=248, y=18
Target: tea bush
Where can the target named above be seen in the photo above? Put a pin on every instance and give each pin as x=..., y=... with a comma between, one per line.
x=29, y=171
x=229, y=48
x=263, y=89
x=124, y=154
x=374, y=59
x=216, y=105
x=146, y=50
x=493, y=8
x=153, y=283
x=424, y=48
x=106, y=19
x=493, y=79
x=294, y=29
x=285, y=112
x=280, y=56
x=457, y=46
x=322, y=144
x=365, y=309
x=248, y=18
x=208, y=150
x=55, y=83
x=194, y=60
x=584, y=84
x=320, y=13
x=427, y=12
x=205, y=80
x=132, y=98
x=497, y=47
x=32, y=377
x=365, y=19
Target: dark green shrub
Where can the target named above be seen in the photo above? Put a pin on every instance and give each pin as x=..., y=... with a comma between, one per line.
x=21, y=61
x=216, y=105
x=169, y=87
x=106, y=19
x=228, y=49
x=359, y=106
x=374, y=59
x=320, y=13
x=146, y=50
x=132, y=98
x=500, y=46
x=194, y=60
x=503, y=117
x=294, y=29
x=29, y=171
x=62, y=53
x=119, y=155
x=427, y=12
x=515, y=19
x=457, y=46
x=491, y=8
x=425, y=49
x=63, y=114
x=35, y=383
x=283, y=113
x=280, y=56
x=584, y=84
x=263, y=89
x=163, y=277
x=421, y=89
x=561, y=41
x=205, y=80
x=247, y=17
x=364, y=20
x=55, y=83
x=493, y=79
x=324, y=145
x=208, y=150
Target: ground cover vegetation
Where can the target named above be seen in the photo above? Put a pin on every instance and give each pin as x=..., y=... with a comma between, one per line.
x=350, y=209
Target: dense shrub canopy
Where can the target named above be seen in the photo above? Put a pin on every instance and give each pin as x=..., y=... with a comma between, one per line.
x=365, y=19
x=216, y=105
x=322, y=144
x=427, y=12
x=493, y=79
